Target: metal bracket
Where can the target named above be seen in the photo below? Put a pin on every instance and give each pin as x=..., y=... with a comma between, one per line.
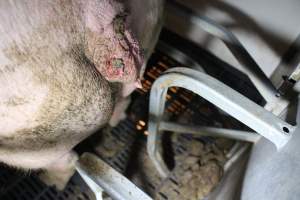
x=260, y=120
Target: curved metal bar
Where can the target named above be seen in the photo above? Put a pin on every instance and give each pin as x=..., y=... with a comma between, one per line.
x=248, y=65
x=227, y=99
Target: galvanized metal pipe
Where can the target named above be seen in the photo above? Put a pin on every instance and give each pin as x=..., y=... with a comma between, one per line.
x=248, y=64
x=113, y=183
x=209, y=131
x=227, y=99
x=238, y=106
x=236, y=156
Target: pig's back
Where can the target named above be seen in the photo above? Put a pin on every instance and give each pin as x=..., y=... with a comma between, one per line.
x=51, y=97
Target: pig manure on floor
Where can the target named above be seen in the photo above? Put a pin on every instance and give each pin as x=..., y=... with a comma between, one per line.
x=196, y=173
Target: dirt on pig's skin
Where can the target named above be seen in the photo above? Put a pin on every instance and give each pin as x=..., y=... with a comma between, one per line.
x=51, y=96
x=91, y=165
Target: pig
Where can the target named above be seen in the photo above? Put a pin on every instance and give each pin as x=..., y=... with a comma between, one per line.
x=65, y=66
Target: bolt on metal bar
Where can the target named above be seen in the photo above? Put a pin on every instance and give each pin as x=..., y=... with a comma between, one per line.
x=112, y=182
x=210, y=131
x=260, y=120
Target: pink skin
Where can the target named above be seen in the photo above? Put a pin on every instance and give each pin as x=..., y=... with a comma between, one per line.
x=106, y=45
x=118, y=56
x=49, y=99
x=126, y=49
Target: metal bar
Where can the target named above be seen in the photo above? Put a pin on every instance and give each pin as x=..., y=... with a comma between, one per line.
x=236, y=157
x=97, y=190
x=209, y=131
x=227, y=99
x=288, y=65
x=234, y=149
x=179, y=56
x=238, y=106
x=113, y=183
x=248, y=65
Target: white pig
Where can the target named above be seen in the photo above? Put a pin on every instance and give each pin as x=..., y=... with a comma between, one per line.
x=58, y=62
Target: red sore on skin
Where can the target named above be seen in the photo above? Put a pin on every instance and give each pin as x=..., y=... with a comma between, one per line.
x=117, y=43
x=110, y=39
x=122, y=64
x=128, y=54
x=111, y=70
x=123, y=60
